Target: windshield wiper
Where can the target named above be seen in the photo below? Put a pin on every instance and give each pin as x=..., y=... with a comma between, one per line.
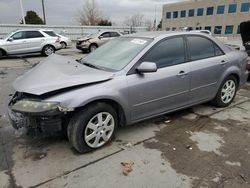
x=90, y=65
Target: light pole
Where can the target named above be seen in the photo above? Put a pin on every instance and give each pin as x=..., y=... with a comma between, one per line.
x=44, y=17
x=21, y=4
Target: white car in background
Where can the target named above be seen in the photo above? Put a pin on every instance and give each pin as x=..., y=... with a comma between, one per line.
x=29, y=41
x=65, y=41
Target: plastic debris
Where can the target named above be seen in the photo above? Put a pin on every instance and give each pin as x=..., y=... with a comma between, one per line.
x=167, y=121
x=127, y=167
x=174, y=149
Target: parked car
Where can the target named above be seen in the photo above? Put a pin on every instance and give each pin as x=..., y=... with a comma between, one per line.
x=29, y=41
x=91, y=42
x=64, y=41
x=146, y=75
x=245, y=35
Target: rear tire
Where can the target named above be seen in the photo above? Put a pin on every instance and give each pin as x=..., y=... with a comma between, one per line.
x=226, y=92
x=92, y=127
x=64, y=45
x=48, y=50
x=1, y=54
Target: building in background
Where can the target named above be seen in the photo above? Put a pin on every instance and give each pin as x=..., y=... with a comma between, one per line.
x=221, y=17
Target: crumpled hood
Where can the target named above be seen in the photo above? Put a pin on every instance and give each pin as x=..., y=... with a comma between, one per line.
x=58, y=72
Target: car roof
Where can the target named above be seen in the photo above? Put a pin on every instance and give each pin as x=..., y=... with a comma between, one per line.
x=162, y=34
x=33, y=30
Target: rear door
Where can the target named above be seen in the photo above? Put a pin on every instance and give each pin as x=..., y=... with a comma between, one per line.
x=105, y=37
x=207, y=63
x=34, y=41
x=19, y=43
x=167, y=89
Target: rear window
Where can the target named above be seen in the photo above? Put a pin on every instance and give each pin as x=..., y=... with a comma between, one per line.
x=201, y=48
x=50, y=33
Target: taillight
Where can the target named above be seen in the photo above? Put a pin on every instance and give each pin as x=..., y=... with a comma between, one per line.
x=57, y=40
x=248, y=63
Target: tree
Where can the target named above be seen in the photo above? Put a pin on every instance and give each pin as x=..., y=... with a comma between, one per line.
x=90, y=13
x=136, y=20
x=32, y=18
x=104, y=22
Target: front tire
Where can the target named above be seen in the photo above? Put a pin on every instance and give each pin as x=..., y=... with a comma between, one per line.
x=93, y=47
x=226, y=93
x=48, y=50
x=92, y=127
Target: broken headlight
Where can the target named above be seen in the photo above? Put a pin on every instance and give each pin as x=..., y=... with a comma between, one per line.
x=31, y=106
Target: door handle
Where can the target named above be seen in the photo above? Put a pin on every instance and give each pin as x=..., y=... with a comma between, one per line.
x=182, y=73
x=223, y=62
x=24, y=41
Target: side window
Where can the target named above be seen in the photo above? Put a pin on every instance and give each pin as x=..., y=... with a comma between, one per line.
x=217, y=50
x=114, y=34
x=105, y=35
x=33, y=34
x=166, y=53
x=19, y=35
x=200, y=48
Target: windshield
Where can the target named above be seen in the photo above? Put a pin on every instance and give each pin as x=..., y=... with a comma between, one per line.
x=117, y=53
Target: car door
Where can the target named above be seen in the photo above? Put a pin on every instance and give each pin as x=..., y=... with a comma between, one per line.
x=207, y=62
x=17, y=43
x=104, y=37
x=168, y=88
x=34, y=41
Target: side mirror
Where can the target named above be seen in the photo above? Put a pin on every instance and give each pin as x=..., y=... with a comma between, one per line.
x=100, y=37
x=10, y=39
x=145, y=67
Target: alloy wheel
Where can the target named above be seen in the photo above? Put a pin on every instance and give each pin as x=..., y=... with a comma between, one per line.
x=228, y=91
x=99, y=129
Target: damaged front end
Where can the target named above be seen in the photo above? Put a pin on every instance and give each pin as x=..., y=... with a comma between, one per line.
x=29, y=111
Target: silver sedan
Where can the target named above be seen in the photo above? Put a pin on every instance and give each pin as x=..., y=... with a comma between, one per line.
x=127, y=80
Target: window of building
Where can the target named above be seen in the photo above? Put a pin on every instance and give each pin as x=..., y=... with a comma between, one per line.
x=197, y=43
x=175, y=14
x=232, y=8
x=173, y=28
x=168, y=29
x=217, y=30
x=221, y=9
x=208, y=28
x=168, y=15
x=229, y=29
x=183, y=14
x=166, y=53
x=200, y=12
x=191, y=13
x=245, y=7
x=210, y=11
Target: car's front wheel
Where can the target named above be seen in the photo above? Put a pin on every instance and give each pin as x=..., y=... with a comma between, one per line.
x=92, y=47
x=226, y=93
x=92, y=127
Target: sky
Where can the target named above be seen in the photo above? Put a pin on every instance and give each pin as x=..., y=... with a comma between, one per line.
x=64, y=12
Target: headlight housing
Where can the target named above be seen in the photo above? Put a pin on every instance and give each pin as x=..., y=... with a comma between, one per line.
x=32, y=106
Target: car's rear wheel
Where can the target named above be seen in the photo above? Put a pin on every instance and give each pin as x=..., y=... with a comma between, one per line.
x=92, y=47
x=92, y=127
x=226, y=93
x=48, y=50
x=1, y=54
x=63, y=44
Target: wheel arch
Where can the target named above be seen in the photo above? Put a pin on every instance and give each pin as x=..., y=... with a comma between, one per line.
x=4, y=51
x=121, y=115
